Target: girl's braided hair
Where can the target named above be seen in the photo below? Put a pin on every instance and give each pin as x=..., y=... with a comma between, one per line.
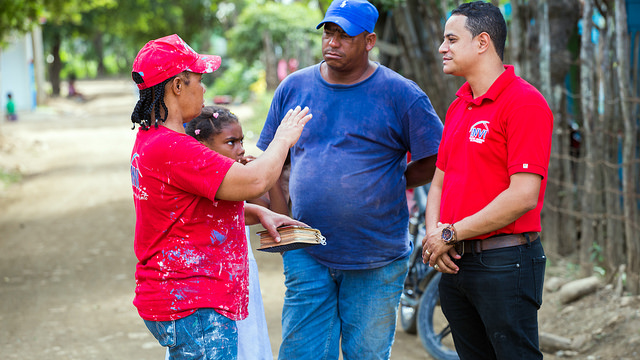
x=210, y=122
x=150, y=101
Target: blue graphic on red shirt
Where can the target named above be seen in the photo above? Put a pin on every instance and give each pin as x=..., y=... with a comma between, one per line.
x=217, y=238
x=479, y=131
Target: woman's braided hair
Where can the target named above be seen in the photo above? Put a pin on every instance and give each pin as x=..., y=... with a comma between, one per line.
x=151, y=99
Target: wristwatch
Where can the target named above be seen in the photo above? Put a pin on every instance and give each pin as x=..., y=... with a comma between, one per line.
x=449, y=235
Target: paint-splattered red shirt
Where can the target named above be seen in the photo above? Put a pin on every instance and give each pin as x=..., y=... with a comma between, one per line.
x=191, y=248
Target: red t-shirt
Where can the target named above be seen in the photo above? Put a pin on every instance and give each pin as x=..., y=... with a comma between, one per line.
x=191, y=248
x=488, y=139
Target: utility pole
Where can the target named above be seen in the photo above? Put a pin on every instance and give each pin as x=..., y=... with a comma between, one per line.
x=38, y=63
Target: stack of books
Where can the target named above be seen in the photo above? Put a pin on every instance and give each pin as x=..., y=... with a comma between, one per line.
x=292, y=237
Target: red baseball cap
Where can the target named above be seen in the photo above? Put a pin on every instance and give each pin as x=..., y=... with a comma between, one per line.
x=168, y=56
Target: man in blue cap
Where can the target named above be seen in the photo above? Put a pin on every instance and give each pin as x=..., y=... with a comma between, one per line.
x=349, y=174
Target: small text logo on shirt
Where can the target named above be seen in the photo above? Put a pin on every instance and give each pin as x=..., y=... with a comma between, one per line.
x=478, y=132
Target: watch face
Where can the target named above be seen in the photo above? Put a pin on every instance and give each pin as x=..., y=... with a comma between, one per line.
x=447, y=234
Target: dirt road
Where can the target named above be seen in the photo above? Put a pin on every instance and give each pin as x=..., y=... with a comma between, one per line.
x=67, y=259
x=67, y=262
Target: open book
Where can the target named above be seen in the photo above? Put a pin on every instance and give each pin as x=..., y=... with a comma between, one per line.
x=292, y=237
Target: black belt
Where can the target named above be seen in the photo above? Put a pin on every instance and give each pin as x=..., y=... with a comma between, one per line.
x=495, y=242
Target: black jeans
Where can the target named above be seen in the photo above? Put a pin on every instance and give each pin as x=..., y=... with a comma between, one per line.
x=492, y=303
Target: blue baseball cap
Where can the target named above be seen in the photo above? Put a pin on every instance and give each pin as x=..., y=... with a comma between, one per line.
x=353, y=16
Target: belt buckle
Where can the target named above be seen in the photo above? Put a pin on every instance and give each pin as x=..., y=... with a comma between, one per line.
x=459, y=248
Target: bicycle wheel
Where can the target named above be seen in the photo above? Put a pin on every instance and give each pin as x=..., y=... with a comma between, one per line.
x=433, y=327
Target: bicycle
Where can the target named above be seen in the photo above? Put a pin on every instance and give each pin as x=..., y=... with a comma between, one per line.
x=419, y=309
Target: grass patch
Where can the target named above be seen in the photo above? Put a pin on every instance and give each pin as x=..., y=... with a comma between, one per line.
x=8, y=177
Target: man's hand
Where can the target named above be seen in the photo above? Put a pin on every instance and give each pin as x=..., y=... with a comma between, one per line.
x=437, y=254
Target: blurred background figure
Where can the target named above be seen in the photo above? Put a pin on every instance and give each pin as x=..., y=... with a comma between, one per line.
x=73, y=92
x=11, y=114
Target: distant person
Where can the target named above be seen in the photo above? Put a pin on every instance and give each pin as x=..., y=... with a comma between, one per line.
x=484, y=204
x=348, y=179
x=190, y=242
x=73, y=93
x=11, y=114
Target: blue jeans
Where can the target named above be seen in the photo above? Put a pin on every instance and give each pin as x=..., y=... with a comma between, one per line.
x=322, y=304
x=492, y=303
x=204, y=334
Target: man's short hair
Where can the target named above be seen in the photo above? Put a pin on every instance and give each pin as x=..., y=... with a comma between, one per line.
x=485, y=17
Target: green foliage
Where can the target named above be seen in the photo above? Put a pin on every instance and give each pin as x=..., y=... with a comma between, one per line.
x=8, y=177
x=133, y=23
x=20, y=16
x=292, y=28
x=235, y=81
x=596, y=253
x=599, y=270
x=17, y=15
x=104, y=38
x=71, y=11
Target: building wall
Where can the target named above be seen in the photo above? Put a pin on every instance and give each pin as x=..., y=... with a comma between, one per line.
x=17, y=74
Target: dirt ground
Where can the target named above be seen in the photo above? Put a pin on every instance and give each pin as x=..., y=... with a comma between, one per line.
x=66, y=247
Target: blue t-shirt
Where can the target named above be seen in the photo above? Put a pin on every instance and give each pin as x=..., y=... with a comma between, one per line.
x=347, y=170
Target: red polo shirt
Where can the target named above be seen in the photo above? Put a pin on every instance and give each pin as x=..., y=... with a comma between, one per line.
x=488, y=139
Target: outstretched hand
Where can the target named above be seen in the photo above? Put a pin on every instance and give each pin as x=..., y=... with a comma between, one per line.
x=292, y=124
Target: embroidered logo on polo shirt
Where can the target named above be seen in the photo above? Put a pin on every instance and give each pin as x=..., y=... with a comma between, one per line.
x=478, y=132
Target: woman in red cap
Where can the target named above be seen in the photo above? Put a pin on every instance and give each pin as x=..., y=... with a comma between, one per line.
x=192, y=271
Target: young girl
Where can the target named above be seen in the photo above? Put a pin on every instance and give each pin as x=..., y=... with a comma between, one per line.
x=219, y=130
x=192, y=271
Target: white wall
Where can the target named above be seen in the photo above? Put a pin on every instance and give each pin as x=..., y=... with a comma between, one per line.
x=17, y=73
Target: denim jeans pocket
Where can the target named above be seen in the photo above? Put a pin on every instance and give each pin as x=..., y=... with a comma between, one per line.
x=163, y=331
x=539, y=265
x=500, y=259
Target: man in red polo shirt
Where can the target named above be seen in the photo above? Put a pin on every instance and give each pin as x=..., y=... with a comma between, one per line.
x=483, y=208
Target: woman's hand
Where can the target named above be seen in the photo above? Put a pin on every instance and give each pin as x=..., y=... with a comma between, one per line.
x=269, y=219
x=246, y=159
x=292, y=124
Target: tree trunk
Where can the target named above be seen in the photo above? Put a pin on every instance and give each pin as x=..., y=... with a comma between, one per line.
x=632, y=239
x=410, y=37
x=603, y=62
x=56, y=66
x=98, y=46
x=556, y=29
x=516, y=38
x=545, y=52
x=588, y=113
x=548, y=213
x=38, y=65
x=270, y=62
x=611, y=123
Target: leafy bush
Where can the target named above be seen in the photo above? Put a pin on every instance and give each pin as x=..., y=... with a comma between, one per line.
x=291, y=28
x=8, y=177
x=235, y=80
